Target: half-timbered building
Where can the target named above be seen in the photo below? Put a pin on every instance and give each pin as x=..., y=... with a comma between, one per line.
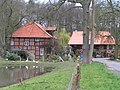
x=34, y=38
x=104, y=42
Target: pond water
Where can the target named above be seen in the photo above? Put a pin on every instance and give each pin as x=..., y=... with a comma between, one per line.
x=15, y=74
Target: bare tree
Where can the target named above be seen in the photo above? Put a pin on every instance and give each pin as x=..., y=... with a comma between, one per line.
x=86, y=4
x=114, y=25
x=9, y=16
x=92, y=32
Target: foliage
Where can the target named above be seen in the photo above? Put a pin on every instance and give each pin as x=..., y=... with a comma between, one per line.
x=67, y=16
x=77, y=52
x=95, y=76
x=63, y=37
x=11, y=56
x=52, y=58
x=25, y=54
x=11, y=13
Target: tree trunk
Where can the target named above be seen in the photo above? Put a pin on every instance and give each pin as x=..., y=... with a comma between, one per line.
x=114, y=28
x=86, y=32
x=92, y=32
x=116, y=42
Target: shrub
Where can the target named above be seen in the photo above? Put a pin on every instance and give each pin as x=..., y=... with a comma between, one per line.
x=77, y=52
x=25, y=54
x=54, y=57
x=11, y=56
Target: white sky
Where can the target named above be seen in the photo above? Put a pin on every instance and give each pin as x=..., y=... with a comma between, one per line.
x=77, y=4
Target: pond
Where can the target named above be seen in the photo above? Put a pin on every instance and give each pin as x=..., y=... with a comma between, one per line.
x=15, y=74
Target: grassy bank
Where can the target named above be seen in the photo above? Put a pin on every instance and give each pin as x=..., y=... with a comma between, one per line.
x=58, y=79
x=3, y=62
x=96, y=77
x=8, y=62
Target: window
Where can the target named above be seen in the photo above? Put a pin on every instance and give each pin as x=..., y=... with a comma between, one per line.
x=41, y=51
x=26, y=43
x=16, y=39
x=12, y=42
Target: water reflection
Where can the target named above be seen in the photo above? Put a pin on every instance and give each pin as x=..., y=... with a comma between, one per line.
x=14, y=74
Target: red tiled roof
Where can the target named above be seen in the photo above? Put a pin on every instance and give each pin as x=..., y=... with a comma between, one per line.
x=103, y=37
x=50, y=28
x=76, y=38
x=31, y=29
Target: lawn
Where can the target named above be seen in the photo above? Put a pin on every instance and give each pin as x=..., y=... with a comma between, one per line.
x=58, y=79
x=96, y=76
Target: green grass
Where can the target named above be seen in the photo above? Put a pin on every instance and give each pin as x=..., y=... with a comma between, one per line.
x=95, y=76
x=58, y=79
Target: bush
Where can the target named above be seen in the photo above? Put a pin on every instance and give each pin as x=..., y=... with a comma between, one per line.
x=52, y=58
x=11, y=56
x=25, y=54
x=77, y=52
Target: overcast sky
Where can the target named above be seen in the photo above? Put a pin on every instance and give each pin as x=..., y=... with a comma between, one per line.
x=39, y=0
x=57, y=0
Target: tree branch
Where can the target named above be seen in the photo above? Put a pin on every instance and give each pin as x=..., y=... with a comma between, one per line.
x=20, y=20
x=3, y=3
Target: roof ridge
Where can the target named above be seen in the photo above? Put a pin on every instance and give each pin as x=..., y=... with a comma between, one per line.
x=31, y=29
x=40, y=26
